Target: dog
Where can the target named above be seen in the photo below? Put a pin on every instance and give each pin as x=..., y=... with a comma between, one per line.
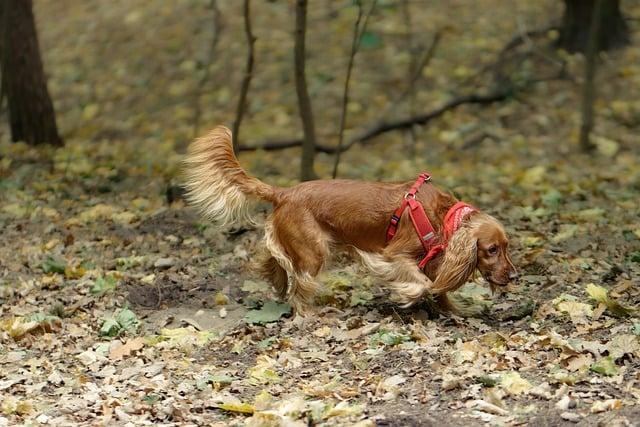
x=313, y=218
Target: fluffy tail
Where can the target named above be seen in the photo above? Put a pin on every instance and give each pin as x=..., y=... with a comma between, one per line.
x=216, y=184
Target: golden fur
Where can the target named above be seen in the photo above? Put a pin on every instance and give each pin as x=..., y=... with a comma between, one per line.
x=312, y=217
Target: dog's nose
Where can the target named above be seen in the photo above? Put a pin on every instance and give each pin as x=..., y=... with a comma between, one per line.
x=514, y=276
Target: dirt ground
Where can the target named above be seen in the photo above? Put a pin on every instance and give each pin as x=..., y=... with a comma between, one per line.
x=118, y=307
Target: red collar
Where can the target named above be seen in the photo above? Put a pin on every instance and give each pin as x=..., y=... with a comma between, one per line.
x=427, y=234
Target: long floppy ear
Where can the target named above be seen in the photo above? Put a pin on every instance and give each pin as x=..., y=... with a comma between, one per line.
x=460, y=259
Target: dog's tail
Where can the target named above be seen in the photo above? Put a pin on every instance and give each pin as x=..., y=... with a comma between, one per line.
x=216, y=184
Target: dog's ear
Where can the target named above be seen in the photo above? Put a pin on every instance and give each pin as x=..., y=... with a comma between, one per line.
x=459, y=261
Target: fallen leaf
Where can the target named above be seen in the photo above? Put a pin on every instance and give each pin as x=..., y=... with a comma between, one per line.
x=605, y=405
x=126, y=349
x=271, y=311
x=605, y=366
x=514, y=384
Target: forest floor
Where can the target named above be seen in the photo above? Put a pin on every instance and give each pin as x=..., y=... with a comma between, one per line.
x=120, y=306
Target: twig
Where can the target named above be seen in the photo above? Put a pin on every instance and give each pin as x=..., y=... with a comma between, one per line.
x=217, y=28
x=355, y=45
x=472, y=142
x=248, y=74
x=304, y=103
x=416, y=74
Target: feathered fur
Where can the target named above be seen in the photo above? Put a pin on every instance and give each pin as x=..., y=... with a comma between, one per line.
x=216, y=184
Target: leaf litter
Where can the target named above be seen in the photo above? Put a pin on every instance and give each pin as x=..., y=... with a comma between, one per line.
x=112, y=300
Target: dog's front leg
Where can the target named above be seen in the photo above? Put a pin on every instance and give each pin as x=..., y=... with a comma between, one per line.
x=400, y=273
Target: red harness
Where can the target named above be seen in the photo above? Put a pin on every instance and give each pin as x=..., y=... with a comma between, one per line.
x=422, y=225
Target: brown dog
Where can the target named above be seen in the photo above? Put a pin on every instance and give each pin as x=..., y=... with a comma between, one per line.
x=312, y=218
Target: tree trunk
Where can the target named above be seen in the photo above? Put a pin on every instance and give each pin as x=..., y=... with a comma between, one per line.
x=31, y=115
x=588, y=87
x=246, y=80
x=576, y=21
x=307, y=171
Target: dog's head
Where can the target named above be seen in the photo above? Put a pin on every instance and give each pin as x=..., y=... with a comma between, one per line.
x=492, y=248
x=479, y=244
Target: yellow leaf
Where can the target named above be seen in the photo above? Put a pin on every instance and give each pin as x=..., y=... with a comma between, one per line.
x=221, y=299
x=606, y=405
x=90, y=111
x=578, y=311
x=533, y=176
x=601, y=295
x=607, y=147
x=242, y=408
x=514, y=384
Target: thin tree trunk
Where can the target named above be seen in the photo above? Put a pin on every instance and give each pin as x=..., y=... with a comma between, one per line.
x=588, y=88
x=355, y=45
x=248, y=74
x=576, y=21
x=31, y=114
x=307, y=171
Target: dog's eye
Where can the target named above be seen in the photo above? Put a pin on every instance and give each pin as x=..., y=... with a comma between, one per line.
x=493, y=249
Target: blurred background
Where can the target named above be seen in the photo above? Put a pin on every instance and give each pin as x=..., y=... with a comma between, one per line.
x=147, y=76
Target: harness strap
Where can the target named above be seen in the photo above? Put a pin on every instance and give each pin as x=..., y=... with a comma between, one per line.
x=411, y=194
x=422, y=225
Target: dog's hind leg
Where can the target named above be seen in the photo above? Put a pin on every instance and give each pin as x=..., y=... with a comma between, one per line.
x=269, y=268
x=300, y=247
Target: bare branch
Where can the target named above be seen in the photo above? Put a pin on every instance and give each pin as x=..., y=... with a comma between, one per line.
x=355, y=45
x=248, y=74
x=416, y=74
x=384, y=127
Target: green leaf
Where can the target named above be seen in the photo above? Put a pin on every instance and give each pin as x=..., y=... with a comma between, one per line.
x=125, y=321
x=386, y=337
x=110, y=328
x=601, y=295
x=635, y=257
x=370, y=40
x=552, y=198
x=605, y=366
x=271, y=311
x=128, y=320
x=103, y=285
x=267, y=342
x=150, y=399
x=487, y=381
x=53, y=265
x=360, y=297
